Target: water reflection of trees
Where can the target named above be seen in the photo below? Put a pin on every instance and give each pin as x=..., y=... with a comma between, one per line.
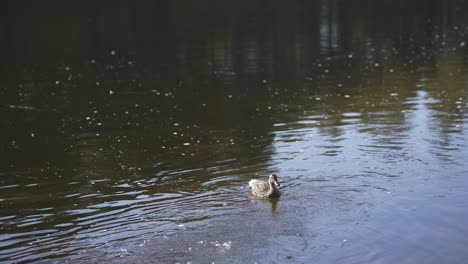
x=231, y=62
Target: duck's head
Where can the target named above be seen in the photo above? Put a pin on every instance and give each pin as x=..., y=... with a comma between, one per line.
x=273, y=179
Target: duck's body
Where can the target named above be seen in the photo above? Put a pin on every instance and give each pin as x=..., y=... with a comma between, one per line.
x=265, y=189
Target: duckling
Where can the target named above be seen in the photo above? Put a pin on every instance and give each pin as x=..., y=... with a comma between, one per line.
x=265, y=189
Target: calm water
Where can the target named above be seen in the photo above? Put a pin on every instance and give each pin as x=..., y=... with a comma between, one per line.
x=129, y=131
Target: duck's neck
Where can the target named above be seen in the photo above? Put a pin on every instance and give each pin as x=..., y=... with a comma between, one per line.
x=272, y=186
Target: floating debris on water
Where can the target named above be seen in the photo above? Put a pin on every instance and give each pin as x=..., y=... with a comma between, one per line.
x=223, y=246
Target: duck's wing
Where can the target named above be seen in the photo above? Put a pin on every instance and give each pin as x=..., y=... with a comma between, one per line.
x=259, y=188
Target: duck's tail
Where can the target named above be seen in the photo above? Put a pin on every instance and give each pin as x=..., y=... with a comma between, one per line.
x=251, y=183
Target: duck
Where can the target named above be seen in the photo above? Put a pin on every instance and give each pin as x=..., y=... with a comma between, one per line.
x=264, y=189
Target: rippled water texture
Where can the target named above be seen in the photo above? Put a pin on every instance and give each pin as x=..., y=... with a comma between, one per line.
x=129, y=131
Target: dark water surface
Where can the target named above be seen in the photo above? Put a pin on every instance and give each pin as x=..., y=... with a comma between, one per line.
x=129, y=131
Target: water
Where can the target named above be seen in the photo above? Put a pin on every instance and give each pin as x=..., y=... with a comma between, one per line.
x=129, y=132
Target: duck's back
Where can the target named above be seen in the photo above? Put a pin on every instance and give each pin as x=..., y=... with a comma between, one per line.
x=259, y=188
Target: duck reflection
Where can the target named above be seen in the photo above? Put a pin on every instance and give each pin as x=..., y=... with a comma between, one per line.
x=272, y=202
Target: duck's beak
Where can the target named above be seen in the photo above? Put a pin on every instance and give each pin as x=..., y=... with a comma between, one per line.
x=277, y=183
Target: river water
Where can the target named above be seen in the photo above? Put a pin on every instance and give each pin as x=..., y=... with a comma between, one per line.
x=129, y=132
